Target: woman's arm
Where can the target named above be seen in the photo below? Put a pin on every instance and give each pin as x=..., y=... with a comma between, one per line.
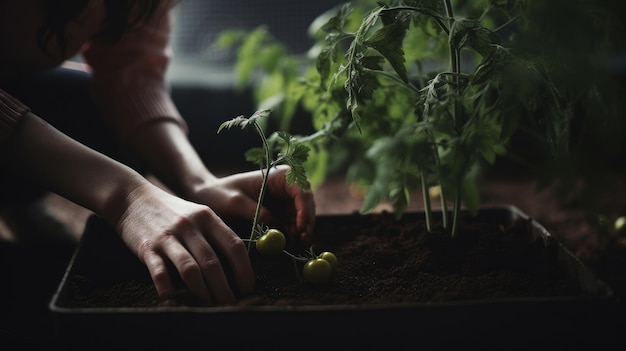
x=157, y=226
x=130, y=87
x=39, y=152
x=164, y=149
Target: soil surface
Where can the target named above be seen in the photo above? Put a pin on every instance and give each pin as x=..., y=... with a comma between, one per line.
x=384, y=263
x=25, y=321
x=381, y=261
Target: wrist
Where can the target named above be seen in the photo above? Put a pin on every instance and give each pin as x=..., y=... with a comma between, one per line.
x=120, y=197
x=193, y=184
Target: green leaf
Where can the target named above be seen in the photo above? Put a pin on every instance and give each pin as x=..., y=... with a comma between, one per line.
x=388, y=41
x=323, y=64
x=270, y=55
x=470, y=32
x=237, y=121
x=373, y=197
x=400, y=196
x=297, y=174
x=300, y=152
x=229, y=38
x=256, y=155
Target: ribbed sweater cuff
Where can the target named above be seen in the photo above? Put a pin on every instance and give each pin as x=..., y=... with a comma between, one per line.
x=11, y=111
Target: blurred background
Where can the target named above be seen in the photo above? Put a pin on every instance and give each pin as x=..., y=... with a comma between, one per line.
x=202, y=74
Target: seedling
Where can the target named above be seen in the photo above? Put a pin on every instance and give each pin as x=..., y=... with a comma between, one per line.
x=270, y=241
x=294, y=155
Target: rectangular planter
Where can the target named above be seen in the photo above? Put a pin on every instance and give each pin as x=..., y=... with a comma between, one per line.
x=532, y=321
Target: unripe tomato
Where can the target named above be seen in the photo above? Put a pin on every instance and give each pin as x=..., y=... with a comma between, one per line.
x=330, y=257
x=271, y=243
x=317, y=271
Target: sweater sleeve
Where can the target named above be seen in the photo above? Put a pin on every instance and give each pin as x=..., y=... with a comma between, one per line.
x=11, y=110
x=129, y=76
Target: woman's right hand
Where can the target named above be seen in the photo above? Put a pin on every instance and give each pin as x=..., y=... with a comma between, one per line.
x=161, y=228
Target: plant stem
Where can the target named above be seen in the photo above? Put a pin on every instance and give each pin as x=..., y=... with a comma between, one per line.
x=444, y=207
x=455, y=64
x=456, y=211
x=427, y=207
x=455, y=68
x=265, y=174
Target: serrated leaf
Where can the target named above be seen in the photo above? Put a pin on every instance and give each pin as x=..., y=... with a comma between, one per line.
x=399, y=199
x=256, y=155
x=388, y=42
x=262, y=113
x=323, y=64
x=300, y=152
x=297, y=174
x=373, y=197
x=237, y=121
x=470, y=32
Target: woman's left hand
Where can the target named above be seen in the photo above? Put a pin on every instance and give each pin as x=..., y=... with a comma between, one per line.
x=236, y=196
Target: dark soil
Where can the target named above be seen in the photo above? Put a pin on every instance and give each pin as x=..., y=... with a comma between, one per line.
x=382, y=261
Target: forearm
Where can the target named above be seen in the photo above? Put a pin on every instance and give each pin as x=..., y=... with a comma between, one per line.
x=163, y=148
x=39, y=152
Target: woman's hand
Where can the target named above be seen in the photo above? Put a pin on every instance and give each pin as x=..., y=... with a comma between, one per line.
x=160, y=228
x=236, y=196
x=163, y=229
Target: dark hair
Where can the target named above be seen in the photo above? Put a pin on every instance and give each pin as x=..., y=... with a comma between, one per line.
x=121, y=15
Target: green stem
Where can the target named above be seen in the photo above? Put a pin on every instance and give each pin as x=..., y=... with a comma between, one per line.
x=455, y=68
x=427, y=207
x=456, y=211
x=265, y=174
x=444, y=207
x=455, y=60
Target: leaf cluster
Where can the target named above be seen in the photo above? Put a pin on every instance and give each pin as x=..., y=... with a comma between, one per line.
x=423, y=92
x=280, y=148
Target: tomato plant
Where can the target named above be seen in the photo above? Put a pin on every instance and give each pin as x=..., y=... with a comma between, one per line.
x=271, y=243
x=317, y=269
x=290, y=152
x=413, y=94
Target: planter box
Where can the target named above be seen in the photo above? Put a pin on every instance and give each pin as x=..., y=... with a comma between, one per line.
x=561, y=320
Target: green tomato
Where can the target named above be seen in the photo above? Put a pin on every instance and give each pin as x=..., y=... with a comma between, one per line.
x=330, y=257
x=317, y=271
x=271, y=243
x=620, y=225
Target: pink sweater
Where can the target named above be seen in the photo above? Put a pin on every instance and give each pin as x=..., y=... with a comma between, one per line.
x=128, y=75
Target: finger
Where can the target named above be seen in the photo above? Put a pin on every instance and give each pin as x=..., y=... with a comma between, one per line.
x=211, y=268
x=303, y=202
x=245, y=204
x=187, y=267
x=235, y=251
x=160, y=276
x=305, y=214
